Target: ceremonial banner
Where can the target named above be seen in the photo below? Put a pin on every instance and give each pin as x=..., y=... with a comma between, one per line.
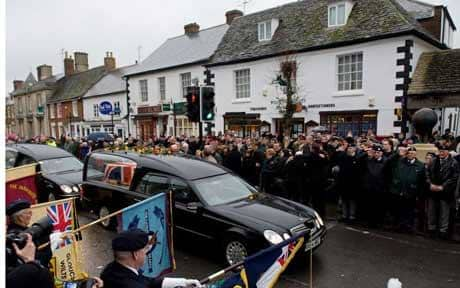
x=152, y=215
x=263, y=269
x=65, y=263
x=20, y=184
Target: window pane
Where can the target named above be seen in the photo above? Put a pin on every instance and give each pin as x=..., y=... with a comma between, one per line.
x=341, y=14
x=268, y=30
x=332, y=16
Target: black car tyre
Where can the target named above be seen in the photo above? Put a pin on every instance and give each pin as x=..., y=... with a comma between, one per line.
x=110, y=223
x=235, y=249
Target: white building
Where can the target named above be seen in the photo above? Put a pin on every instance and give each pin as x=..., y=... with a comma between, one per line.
x=347, y=54
x=159, y=83
x=109, y=90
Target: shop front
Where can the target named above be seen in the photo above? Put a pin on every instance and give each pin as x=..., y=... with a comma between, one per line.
x=297, y=126
x=343, y=122
x=146, y=122
x=245, y=124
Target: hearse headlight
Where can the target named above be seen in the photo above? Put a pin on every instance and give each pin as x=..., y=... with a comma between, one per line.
x=319, y=219
x=66, y=188
x=273, y=237
x=75, y=189
x=286, y=236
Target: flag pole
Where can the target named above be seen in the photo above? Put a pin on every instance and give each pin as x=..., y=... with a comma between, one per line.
x=221, y=272
x=311, y=259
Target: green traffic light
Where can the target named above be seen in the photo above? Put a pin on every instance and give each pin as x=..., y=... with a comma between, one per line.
x=209, y=116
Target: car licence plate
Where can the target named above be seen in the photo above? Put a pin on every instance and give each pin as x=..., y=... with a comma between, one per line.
x=312, y=244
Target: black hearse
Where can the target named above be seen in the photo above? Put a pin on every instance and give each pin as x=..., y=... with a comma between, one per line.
x=209, y=201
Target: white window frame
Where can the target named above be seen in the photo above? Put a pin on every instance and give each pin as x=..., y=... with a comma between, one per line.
x=96, y=110
x=186, y=81
x=162, y=87
x=333, y=20
x=265, y=30
x=59, y=110
x=75, y=108
x=242, y=84
x=52, y=111
x=350, y=72
x=116, y=105
x=144, y=90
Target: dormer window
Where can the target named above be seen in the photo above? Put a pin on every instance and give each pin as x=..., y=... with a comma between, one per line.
x=265, y=31
x=337, y=14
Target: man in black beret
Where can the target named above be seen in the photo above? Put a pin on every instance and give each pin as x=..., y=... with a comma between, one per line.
x=130, y=249
x=19, y=214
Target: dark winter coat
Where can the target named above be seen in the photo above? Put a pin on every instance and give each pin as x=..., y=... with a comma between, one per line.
x=116, y=275
x=445, y=174
x=374, y=179
x=408, y=178
x=233, y=161
x=349, y=176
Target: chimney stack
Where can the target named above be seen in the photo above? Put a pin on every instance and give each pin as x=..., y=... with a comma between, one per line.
x=231, y=15
x=81, y=61
x=69, y=67
x=18, y=84
x=109, y=62
x=44, y=72
x=191, y=28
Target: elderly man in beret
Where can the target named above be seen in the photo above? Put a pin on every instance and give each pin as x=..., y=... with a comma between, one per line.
x=19, y=214
x=130, y=249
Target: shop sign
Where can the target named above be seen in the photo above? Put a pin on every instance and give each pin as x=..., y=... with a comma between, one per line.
x=180, y=108
x=149, y=109
x=105, y=107
x=258, y=108
x=321, y=106
x=166, y=107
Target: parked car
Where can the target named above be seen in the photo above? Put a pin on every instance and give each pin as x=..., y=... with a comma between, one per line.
x=100, y=136
x=60, y=172
x=209, y=201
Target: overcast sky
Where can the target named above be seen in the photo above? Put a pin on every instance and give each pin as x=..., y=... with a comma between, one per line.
x=38, y=30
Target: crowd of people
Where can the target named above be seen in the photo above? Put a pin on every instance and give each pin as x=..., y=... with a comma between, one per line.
x=376, y=181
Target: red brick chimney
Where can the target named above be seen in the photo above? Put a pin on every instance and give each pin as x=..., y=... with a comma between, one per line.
x=191, y=28
x=44, y=72
x=18, y=84
x=434, y=24
x=69, y=66
x=231, y=15
x=109, y=61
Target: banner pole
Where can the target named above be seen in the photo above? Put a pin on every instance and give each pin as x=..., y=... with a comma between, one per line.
x=311, y=259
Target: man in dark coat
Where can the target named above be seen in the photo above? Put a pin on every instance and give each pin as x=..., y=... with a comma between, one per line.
x=233, y=160
x=408, y=180
x=271, y=172
x=295, y=177
x=130, y=249
x=442, y=177
x=317, y=164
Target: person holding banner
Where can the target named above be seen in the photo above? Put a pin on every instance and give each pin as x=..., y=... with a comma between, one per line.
x=130, y=248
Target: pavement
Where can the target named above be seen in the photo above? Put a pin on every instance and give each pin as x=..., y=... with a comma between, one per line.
x=349, y=257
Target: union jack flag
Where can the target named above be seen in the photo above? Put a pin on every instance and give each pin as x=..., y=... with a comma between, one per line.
x=60, y=215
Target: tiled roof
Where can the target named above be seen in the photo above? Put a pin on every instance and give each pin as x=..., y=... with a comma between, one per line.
x=76, y=85
x=47, y=84
x=437, y=73
x=112, y=82
x=417, y=9
x=304, y=26
x=183, y=50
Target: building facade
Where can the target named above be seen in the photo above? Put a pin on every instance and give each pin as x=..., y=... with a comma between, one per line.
x=108, y=94
x=10, y=116
x=351, y=75
x=65, y=105
x=158, y=85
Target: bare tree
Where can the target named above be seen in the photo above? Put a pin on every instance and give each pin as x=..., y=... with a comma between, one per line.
x=287, y=103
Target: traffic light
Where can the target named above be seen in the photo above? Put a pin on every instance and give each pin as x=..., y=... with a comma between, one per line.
x=207, y=103
x=128, y=99
x=193, y=103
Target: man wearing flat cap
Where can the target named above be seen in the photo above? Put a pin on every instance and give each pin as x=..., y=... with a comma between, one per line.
x=130, y=249
x=442, y=176
x=408, y=181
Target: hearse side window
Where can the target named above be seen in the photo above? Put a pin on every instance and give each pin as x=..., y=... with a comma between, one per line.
x=182, y=192
x=24, y=160
x=152, y=184
x=111, y=169
x=10, y=158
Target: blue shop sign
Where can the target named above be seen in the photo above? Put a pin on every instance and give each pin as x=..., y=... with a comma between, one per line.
x=105, y=107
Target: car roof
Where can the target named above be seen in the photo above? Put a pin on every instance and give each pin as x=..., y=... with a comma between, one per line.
x=40, y=151
x=184, y=166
